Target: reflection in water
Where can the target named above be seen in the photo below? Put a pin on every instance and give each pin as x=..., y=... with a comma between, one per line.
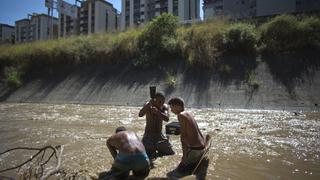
x=247, y=144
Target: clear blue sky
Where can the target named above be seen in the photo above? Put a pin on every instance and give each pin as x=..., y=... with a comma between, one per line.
x=12, y=10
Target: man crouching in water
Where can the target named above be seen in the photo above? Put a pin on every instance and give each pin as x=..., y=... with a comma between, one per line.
x=193, y=143
x=131, y=156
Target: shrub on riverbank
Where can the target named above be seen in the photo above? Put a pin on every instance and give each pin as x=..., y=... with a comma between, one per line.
x=287, y=33
x=238, y=38
x=158, y=41
x=13, y=77
x=198, y=43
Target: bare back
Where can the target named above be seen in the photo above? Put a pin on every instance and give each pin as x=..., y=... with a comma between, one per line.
x=126, y=142
x=190, y=132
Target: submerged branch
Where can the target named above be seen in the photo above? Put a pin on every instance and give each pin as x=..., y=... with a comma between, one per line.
x=40, y=154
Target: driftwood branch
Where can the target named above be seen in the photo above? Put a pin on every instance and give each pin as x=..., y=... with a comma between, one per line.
x=56, y=169
x=39, y=168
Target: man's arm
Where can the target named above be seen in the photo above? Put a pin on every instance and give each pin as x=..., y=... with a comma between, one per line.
x=143, y=111
x=111, y=148
x=161, y=115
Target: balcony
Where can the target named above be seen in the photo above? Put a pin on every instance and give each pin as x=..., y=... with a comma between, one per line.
x=84, y=9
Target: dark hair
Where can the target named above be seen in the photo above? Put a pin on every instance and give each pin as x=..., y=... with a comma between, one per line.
x=121, y=128
x=160, y=95
x=176, y=101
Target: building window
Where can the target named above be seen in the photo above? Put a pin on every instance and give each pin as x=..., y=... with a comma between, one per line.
x=17, y=31
x=116, y=18
x=298, y=3
x=39, y=26
x=175, y=7
x=127, y=20
x=107, y=20
x=218, y=8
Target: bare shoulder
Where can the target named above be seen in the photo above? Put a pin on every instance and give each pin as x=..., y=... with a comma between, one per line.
x=184, y=115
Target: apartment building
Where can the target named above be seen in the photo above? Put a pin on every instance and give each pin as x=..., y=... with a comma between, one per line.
x=307, y=6
x=68, y=19
x=250, y=8
x=6, y=33
x=139, y=12
x=38, y=27
x=273, y=7
x=231, y=8
x=98, y=16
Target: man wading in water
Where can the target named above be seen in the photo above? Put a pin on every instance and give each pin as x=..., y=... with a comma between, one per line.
x=153, y=139
x=131, y=155
x=193, y=143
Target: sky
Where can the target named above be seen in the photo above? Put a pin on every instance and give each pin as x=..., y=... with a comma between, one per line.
x=12, y=10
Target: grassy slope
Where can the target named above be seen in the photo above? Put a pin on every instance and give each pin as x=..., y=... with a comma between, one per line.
x=200, y=46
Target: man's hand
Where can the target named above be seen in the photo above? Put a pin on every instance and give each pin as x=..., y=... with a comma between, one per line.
x=145, y=108
x=153, y=110
x=150, y=103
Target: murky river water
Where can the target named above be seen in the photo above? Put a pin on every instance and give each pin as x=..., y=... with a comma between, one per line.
x=247, y=144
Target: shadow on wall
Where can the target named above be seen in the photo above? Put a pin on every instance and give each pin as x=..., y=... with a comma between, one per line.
x=88, y=78
x=290, y=69
x=87, y=81
x=236, y=68
x=229, y=69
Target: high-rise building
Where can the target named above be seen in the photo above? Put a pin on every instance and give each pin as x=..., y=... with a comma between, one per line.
x=231, y=8
x=98, y=16
x=6, y=33
x=68, y=19
x=274, y=7
x=138, y=12
x=38, y=27
x=250, y=8
x=307, y=6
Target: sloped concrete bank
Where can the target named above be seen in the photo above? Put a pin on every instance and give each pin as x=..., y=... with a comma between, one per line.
x=97, y=84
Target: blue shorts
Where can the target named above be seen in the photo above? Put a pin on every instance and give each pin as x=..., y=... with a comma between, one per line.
x=139, y=163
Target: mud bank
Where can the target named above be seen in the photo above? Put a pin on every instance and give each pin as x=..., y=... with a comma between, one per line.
x=124, y=85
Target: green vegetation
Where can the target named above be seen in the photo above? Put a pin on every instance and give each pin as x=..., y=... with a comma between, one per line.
x=238, y=38
x=13, y=77
x=170, y=80
x=251, y=81
x=201, y=45
x=288, y=33
x=198, y=43
x=158, y=41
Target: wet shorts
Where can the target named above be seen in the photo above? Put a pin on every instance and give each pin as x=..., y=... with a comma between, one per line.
x=159, y=143
x=138, y=163
x=194, y=155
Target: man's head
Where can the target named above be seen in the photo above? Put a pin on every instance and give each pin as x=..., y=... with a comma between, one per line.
x=121, y=128
x=159, y=100
x=176, y=105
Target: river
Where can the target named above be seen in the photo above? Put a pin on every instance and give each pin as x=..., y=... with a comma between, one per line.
x=247, y=144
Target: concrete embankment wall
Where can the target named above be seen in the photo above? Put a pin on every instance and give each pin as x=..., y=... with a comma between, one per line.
x=97, y=84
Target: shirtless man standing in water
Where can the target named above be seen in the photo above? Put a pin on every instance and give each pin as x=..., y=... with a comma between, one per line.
x=193, y=143
x=153, y=139
x=129, y=154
